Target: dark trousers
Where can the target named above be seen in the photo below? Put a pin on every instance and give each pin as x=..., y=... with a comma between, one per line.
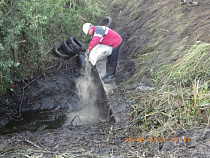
x=111, y=64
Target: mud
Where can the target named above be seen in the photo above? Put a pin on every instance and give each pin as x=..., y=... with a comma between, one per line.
x=196, y=144
x=62, y=98
x=92, y=106
x=92, y=139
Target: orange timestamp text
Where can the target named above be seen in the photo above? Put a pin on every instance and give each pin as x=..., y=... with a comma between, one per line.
x=157, y=139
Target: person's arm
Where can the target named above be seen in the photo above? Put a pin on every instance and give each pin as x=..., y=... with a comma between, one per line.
x=95, y=40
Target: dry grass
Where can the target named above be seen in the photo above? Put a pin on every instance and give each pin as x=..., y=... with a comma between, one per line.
x=181, y=105
x=183, y=98
x=171, y=108
x=193, y=64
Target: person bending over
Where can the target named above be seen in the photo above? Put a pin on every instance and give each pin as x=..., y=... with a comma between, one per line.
x=106, y=36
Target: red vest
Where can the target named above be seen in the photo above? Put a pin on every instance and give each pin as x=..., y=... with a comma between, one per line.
x=112, y=38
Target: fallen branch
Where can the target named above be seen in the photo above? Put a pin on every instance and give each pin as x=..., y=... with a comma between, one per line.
x=73, y=120
x=28, y=141
x=60, y=64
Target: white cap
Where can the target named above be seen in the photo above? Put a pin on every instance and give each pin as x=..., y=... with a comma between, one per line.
x=86, y=27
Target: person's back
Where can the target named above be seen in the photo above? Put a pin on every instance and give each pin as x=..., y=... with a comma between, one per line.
x=104, y=35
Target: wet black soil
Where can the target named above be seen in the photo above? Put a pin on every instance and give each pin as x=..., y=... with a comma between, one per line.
x=50, y=100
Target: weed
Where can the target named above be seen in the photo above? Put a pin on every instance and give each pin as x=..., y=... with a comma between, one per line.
x=192, y=66
x=183, y=98
x=171, y=108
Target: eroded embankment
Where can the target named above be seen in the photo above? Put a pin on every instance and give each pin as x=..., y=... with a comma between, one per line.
x=156, y=34
x=165, y=45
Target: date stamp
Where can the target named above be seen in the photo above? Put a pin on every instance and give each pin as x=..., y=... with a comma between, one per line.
x=157, y=139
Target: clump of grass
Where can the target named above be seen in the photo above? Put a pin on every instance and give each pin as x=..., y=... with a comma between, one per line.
x=171, y=108
x=182, y=101
x=183, y=98
x=195, y=64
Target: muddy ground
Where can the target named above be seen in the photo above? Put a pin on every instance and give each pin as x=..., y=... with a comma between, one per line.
x=104, y=139
x=48, y=102
x=147, y=27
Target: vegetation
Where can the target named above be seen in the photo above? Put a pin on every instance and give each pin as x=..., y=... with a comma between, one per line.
x=29, y=30
x=182, y=100
x=193, y=65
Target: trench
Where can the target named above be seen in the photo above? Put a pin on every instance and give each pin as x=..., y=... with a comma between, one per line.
x=70, y=96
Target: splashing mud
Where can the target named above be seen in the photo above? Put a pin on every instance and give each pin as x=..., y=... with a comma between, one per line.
x=88, y=106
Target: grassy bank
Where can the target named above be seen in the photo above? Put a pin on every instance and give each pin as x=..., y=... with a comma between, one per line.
x=169, y=45
x=182, y=100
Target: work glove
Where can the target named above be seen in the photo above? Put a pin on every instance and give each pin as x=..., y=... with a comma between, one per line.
x=87, y=55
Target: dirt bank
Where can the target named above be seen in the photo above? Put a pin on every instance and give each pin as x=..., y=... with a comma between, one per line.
x=156, y=34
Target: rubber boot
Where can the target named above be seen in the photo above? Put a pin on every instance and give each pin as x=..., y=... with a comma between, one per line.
x=105, y=76
x=182, y=1
x=191, y=3
x=109, y=79
x=111, y=76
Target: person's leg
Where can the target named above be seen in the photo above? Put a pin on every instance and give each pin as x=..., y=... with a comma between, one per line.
x=108, y=63
x=113, y=61
x=113, y=64
x=106, y=75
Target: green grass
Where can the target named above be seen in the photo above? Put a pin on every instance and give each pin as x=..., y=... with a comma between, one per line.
x=183, y=98
x=171, y=108
x=194, y=64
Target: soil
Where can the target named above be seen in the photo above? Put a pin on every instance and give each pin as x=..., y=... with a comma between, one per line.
x=147, y=27
x=160, y=30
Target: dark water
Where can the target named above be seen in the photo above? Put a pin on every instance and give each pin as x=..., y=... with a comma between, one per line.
x=57, y=117
x=52, y=119
x=35, y=120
